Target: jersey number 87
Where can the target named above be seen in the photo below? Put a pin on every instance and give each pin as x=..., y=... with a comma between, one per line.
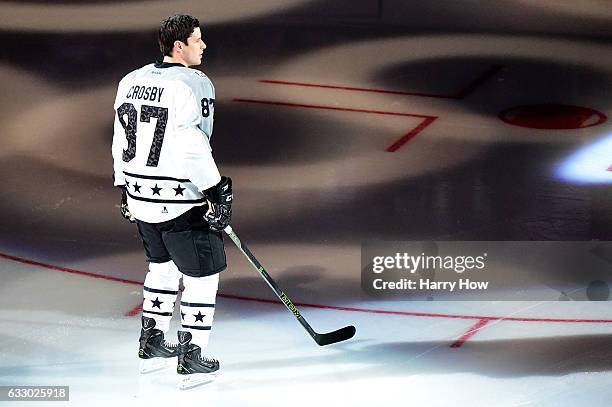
x=131, y=127
x=206, y=105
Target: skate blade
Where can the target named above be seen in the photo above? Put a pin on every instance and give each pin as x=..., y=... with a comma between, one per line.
x=154, y=364
x=196, y=379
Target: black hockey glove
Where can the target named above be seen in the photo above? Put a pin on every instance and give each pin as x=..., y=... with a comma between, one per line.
x=219, y=214
x=125, y=211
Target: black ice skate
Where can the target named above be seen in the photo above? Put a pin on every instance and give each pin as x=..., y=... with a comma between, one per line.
x=193, y=368
x=154, y=352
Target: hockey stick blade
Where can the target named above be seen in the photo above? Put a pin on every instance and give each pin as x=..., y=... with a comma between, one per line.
x=339, y=335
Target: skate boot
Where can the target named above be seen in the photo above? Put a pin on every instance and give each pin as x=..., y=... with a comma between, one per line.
x=154, y=351
x=193, y=368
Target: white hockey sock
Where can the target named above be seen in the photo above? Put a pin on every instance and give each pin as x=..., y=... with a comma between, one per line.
x=159, y=292
x=198, y=307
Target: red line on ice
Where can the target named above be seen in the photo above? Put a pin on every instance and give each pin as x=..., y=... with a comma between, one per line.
x=134, y=311
x=427, y=120
x=342, y=109
x=66, y=269
x=419, y=314
x=471, y=332
x=351, y=88
x=408, y=136
x=469, y=88
x=491, y=71
x=303, y=304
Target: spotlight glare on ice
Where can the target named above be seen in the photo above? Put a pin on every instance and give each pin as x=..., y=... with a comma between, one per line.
x=589, y=165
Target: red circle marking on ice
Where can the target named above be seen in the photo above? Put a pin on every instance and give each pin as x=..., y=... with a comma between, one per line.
x=552, y=116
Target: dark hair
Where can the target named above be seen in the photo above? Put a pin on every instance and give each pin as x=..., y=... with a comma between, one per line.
x=177, y=27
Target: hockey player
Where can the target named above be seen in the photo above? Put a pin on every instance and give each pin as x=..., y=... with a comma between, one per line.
x=172, y=189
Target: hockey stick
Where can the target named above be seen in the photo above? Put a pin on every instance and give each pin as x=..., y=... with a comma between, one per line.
x=339, y=335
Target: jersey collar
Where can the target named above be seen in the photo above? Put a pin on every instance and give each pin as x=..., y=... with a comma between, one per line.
x=159, y=64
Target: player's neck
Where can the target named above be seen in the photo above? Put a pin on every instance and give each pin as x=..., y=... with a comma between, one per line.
x=172, y=60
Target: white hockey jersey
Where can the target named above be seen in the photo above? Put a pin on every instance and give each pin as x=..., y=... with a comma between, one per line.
x=161, y=143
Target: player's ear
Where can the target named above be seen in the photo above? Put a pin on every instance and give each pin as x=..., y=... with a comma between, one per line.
x=178, y=45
